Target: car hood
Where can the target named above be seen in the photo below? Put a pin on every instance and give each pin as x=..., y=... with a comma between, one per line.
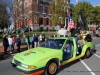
x=33, y=55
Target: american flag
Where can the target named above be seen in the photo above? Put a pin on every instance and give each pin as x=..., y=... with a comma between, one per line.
x=71, y=23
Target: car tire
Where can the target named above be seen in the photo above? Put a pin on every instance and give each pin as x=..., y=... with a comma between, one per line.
x=87, y=54
x=51, y=68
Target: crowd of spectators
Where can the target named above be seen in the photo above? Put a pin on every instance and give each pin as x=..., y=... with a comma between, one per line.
x=11, y=42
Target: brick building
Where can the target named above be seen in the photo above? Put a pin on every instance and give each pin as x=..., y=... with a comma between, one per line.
x=32, y=13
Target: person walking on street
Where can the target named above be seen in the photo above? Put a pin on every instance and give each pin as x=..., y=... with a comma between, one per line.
x=5, y=44
x=35, y=41
x=27, y=41
x=40, y=39
x=18, y=43
x=10, y=41
x=43, y=37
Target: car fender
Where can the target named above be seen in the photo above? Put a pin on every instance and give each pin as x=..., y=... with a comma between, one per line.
x=84, y=48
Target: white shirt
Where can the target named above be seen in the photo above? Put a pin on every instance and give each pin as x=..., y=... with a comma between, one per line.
x=40, y=37
x=10, y=41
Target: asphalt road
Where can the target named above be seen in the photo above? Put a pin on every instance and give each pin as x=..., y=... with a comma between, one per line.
x=90, y=66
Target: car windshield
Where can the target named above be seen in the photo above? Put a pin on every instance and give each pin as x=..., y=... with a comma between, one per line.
x=53, y=43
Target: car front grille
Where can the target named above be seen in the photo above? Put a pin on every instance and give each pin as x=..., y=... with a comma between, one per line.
x=17, y=62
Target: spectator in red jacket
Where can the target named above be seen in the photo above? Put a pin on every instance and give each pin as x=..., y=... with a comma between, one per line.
x=14, y=42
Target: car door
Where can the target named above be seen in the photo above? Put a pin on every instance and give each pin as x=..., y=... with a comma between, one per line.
x=68, y=49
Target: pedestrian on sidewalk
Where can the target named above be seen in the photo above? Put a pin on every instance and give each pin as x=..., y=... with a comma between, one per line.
x=10, y=41
x=5, y=44
x=33, y=41
x=40, y=39
x=14, y=42
x=18, y=42
x=28, y=41
x=43, y=37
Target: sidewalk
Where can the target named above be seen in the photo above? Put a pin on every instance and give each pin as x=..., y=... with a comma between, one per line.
x=23, y=47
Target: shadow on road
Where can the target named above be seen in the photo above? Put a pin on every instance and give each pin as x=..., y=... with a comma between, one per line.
x=8, y=56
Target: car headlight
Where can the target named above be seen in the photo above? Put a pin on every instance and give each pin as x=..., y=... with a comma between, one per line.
x=28, y=66
x=24, y=65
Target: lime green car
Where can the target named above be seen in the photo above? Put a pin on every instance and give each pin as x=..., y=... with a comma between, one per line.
x=50, y=56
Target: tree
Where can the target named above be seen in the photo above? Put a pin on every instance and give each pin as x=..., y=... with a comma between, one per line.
x=95, y=15
x=58, y=8
x=9, y=9
x=4, y=17
x=85, y=9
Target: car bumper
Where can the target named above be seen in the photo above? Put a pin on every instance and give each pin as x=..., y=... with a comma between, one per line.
x=32, y=72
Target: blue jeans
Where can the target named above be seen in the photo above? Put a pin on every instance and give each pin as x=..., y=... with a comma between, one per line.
x=35, y=44
x=67, y=54
x=10, y=46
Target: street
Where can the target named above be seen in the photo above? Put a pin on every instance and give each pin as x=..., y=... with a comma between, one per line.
x=90, y=66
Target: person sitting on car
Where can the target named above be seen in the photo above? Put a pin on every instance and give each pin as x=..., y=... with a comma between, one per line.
x=67, y=50
x=88, y=38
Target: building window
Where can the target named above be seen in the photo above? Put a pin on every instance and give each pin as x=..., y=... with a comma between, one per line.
x=47, y=21
x=40, y=9
x=47, y=4
x=46, y=10
x=40, y=21
x=40, y=2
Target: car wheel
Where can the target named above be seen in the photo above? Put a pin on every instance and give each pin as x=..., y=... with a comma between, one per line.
x=87, y=53
x=51, y=68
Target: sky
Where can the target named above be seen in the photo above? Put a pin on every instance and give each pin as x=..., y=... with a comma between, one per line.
x=93, y=2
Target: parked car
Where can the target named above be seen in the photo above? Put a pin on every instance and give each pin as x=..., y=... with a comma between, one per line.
x=50, y=56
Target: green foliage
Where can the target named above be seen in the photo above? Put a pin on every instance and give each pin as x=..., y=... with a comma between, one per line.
x=4, y=17
x=85, y=7
x=58, y=11
x=91, y=14
x=96, y=15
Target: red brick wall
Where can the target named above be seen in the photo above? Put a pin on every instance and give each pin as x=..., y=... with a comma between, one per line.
x=30, y=7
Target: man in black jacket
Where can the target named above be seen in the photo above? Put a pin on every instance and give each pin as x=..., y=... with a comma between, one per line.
x=43, y=37
x=18, y=42
x=5, y=44
x=74, y=33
